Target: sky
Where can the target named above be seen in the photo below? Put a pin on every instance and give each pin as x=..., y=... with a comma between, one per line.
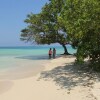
x=12, y=16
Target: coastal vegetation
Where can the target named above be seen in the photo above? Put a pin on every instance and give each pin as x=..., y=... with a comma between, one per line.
x=82, y=21
x=75, y=22
x=44, y=27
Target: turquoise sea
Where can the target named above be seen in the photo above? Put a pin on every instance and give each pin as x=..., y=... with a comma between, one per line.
x=32, y=50
x=31, y=57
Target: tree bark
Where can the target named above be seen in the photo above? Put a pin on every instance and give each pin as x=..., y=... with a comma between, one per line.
x=65, y=49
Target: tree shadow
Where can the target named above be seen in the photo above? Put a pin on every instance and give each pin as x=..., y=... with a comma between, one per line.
x=70, y=76
x=37, y=57
x=34, y=57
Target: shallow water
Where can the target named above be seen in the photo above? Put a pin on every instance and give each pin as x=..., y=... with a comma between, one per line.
x=18, y=60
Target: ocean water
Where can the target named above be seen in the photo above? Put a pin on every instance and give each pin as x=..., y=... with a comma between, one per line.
x=20, y=58
x=32, y=50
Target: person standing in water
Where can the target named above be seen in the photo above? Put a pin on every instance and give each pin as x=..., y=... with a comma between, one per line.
x=50, y=53
x=54, y=52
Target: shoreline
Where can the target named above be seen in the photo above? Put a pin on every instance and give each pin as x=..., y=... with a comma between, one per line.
x=21, y=68
x=59, y=80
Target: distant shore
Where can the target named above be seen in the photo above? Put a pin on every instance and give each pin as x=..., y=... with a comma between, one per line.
x=59, y=79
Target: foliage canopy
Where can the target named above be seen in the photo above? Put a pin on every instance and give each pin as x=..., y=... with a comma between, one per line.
x=63, y=21
x=82, y=21
x=45, y=28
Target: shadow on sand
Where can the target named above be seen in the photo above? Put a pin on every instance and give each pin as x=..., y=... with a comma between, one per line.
x=70, y=76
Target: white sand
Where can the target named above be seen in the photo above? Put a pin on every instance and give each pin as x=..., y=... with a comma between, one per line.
x=58, y=81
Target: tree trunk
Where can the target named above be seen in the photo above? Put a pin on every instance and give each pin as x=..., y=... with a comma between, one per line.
x=65, y=49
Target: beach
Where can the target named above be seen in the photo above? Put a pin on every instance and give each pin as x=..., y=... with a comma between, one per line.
x=60, y=79
x=50, y=50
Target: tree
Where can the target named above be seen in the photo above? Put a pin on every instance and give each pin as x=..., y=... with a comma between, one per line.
x=45, y=27
x=82, y=21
